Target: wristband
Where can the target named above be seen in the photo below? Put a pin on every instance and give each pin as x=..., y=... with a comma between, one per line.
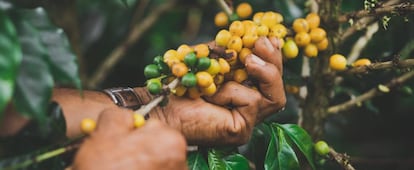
x=124, y=97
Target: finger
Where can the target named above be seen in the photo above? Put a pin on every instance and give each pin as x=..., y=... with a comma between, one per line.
x=270, y=83
x=115, y=121
x=241, y=99
x=269, y=51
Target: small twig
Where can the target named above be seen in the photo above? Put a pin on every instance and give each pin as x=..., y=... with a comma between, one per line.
x=382, y=65
x=362, y=42
x=145, y=109
x=402, y=7
x=369, y=94
x=122, y=48
x=225, y=7
x=342, y=159
x=138, y=13
x=362, y=23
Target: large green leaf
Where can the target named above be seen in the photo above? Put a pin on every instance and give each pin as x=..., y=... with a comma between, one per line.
x=60, y=57
x=195, y=161
x=10, y=58
x=280, y=155
x=302, y=140
x=34, y=83
x=222, y=160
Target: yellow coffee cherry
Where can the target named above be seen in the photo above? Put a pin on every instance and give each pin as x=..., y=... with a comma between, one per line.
x=204, y=79
x=278, y=31
x=221, y=19
x=249, y=27
x=179, y=69
x=139, y=120
x=202, y=50
x=240, y=75
x=361, y=62
x=231, y=57
x=302, y=39
x=290, y=49
x=311, y=50
x=170, y=57
x=323, y=45
x=269, y=19
x=210, y=90
x=235, y=43
x=88, y=125
x=257, y=17
x=249, y=40
x=224, y=66
x=317, y=34
x=219, y=79
x=300, y=25
x=236, y=28
x=194, y=93
x=313, y=20
x=337, y=62
x=244, y=10
x=222, y=38
x=182, y=51
x=262, y=30
x=180, y=90
x=214, y=67
x=243, y=54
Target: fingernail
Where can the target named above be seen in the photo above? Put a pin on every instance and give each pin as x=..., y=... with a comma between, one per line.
x=258, y=60
x=268, y=44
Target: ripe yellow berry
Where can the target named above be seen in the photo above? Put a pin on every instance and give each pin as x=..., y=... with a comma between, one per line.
x=170, y=57
x=210, y=90
x=361, y=62
x=214, y=67
x=88, y=125
x=302, y=39
x=262, y=30
x=317, y=35
x=235, y=43
x=249, y=27
x=222, y=38
x=182, y=51
x=323, y=45
x=337, y=62
x=249, y=40
x=221, y=19
x=180, y=90
x=243, y=54
x=224, y=66
x=257, y=17
x=139, y=120
x=219, y=79
x=231, y=57
x=290, y=49
x=202, y=50
x=300, y=25
x=269, y=19
x=204, y=79
x=311, y=50
x=278, y=31
x=244, y=10
x=236, y=28
x=313, y=20
x=179, y=69
x=240, y=75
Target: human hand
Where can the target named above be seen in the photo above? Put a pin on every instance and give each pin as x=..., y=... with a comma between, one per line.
x=115, y=144
x=228, y=117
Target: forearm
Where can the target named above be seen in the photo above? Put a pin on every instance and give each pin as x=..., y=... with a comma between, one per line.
x=77, y=106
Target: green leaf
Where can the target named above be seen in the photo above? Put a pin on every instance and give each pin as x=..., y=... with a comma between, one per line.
x=60, y=57
x=10, y=58
x=195, y=161
x=302, y=140
x=224, y=160
x=280, y=154
x=34, y=83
